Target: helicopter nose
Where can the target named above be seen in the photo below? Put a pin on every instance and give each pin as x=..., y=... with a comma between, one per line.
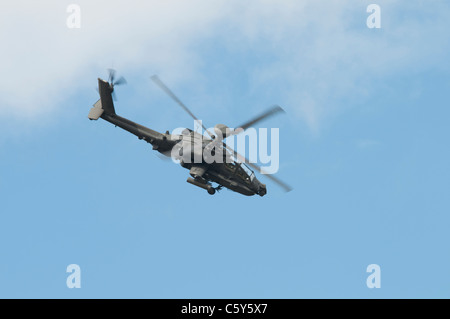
x=262, y=190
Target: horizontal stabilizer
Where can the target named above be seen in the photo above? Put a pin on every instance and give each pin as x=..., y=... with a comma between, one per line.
x=96, y=111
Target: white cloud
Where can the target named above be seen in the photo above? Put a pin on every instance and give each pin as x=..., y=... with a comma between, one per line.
x=320, y=52
x=326, y=56
x=42, y=60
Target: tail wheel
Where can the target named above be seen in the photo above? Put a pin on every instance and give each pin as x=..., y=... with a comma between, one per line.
x=211, y=191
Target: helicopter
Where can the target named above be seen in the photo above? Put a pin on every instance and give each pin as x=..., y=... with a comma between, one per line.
x=234, y=172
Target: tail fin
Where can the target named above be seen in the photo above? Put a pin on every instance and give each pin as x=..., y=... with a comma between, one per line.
x=105, y=104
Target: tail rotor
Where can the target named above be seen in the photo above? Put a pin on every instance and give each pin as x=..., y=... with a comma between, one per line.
x=113, y=82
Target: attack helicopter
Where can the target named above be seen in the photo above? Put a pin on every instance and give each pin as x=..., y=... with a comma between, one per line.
x=234, y=172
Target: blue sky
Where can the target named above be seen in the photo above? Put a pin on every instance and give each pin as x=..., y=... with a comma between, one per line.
x=364, y=143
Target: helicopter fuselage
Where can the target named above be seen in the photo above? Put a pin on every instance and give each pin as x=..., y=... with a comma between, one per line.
x=185, y=149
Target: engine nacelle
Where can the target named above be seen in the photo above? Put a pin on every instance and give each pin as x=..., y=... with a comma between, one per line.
x=223, y=130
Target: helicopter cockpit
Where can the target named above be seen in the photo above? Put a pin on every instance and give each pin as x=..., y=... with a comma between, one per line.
x=245, y=170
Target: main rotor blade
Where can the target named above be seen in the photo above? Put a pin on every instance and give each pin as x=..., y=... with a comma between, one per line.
x=163, y=87
x=272, y=111
x=241, y=158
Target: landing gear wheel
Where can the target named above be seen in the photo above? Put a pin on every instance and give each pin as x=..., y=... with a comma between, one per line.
x=211, y=191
